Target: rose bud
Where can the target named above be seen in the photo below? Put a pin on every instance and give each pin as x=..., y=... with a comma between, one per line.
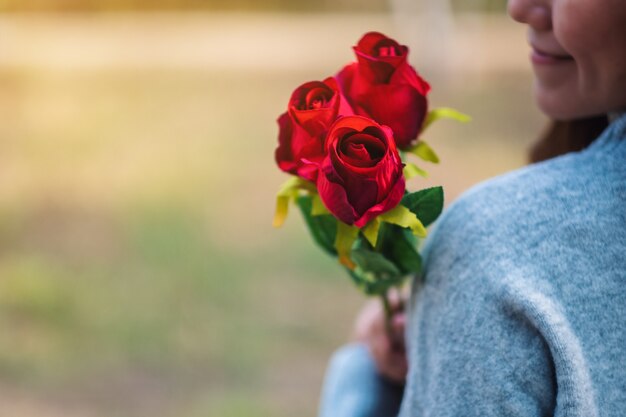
x=361, y=176
x=383, y=86
x=313, y=107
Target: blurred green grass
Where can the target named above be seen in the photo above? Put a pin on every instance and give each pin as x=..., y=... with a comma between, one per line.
x=136, y=249
x=139, y=274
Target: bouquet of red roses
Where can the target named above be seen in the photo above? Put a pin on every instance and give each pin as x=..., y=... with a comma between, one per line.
x=343, y=139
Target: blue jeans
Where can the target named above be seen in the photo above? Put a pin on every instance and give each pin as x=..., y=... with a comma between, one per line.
x=353, y=387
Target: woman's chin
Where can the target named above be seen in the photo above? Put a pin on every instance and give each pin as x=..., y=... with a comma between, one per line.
x=563, y=106
x=553, y=111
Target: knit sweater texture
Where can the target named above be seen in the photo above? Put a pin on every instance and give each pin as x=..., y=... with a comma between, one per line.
x=521, y=310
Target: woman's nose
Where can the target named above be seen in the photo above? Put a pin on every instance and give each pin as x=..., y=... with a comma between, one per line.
x=535, y=13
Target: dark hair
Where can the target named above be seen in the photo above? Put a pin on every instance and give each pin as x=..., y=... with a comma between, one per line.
x=561, y=137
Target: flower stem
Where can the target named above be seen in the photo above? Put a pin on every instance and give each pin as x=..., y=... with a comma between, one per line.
x=396, y=339
x=388, y=317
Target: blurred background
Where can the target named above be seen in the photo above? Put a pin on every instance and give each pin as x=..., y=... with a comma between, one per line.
x=139, y=273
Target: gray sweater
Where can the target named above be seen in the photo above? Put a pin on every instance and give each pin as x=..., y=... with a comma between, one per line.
x=522, y=307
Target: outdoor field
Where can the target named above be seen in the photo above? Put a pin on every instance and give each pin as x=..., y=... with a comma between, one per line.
x=139, y=271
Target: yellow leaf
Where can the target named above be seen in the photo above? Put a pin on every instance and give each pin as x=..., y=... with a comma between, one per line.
x=371, y=231
x=287, y=192
x=444, y=113
x=318, y=208
x=404, y=217
x=412, y=171
x=346, y=235
x=424, y=151
x=282, y=209
x=293, y=183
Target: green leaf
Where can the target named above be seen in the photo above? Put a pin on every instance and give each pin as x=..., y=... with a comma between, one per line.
x=405, y=255
x=374, y=262
x=426, y=204
x=374, y=273
x=323, y=228
x=399, y=246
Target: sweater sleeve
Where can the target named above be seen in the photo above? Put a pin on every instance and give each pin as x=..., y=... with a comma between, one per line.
x=476, y=350
x=353, y=387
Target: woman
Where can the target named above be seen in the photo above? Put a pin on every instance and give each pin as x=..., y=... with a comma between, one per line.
x=522, y=306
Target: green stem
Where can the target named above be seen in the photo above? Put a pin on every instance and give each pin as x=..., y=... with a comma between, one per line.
x=388, y=316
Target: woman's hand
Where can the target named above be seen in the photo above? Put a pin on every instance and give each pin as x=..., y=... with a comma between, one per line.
x=386, y=345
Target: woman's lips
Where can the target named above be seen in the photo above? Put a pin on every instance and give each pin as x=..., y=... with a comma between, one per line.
x=539, y=57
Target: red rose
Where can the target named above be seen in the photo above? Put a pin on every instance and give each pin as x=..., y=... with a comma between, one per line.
x=383, y=86
x=313, y=107
x=361, y=176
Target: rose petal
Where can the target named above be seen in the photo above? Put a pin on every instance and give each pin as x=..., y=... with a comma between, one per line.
x=356, y=152
x=283, y=153
x=401, y=107
x=392, y=200
x=374, y=70
x=334, y=195
x=362, y=149
x=406, y=74
x=368, y=41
